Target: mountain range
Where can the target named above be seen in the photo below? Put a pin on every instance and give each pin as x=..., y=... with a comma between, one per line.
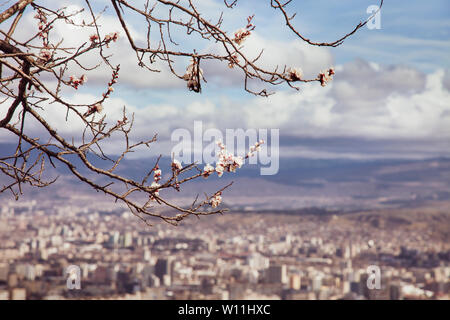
x=332, y=184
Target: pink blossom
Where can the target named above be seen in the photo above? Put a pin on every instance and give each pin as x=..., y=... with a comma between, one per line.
x=113, y=36
x=45, y=55
x=326, y=76
x=75, y=82
x=93, y=38
x=240, y=35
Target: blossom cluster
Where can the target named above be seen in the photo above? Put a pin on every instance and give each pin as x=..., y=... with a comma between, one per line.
x=193, y=75
x=240, y=35
x=43, y=27
x=326, y=76
x=98, y=107
x=113, y=36
x=75, y=82
x=155, y=184
x=44, y=54
x=216, y=200
x=176, y=168
x=115, y=75
x=233, y=60
x=176, y=165
x=243, y=33
x=227, y=161
x=294, y=74
x=255, y=148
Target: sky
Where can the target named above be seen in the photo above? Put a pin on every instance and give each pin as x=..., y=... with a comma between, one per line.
x=389, y=99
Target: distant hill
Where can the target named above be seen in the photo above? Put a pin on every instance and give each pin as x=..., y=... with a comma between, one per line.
x=334, y=184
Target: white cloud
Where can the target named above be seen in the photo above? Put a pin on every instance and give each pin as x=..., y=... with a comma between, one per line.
x=366, y=106
x=121, y=52
x=359, y=104
x=276, y=53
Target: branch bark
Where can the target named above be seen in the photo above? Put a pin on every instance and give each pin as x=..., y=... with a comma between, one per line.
x=19, y=5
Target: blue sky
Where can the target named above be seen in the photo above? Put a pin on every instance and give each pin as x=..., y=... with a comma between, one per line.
x=413, y=33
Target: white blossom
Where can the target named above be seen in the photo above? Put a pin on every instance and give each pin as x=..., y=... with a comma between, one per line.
x=176, y=165
x=208, y=170
x=294, y=74
x=219, y=170
x=216, y=200
x=98, y=107
x=155, y=185
x=255, y=148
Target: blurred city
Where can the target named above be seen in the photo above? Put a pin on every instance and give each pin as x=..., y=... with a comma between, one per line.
x=297, y=254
